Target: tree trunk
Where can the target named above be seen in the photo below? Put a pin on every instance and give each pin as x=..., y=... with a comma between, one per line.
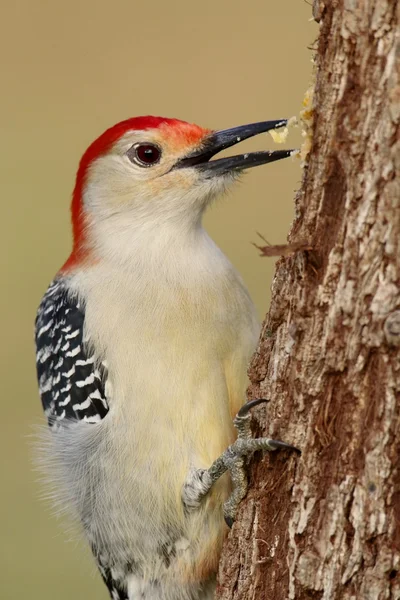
x=326, y=525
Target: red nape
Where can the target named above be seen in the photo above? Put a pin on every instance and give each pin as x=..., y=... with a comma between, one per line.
x=101, y=145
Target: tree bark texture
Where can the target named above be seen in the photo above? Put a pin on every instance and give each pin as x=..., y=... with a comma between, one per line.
x=326, y=525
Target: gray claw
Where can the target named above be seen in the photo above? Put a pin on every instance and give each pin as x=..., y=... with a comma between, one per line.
x=229, y=521
x=251, y=404
x=276, y=444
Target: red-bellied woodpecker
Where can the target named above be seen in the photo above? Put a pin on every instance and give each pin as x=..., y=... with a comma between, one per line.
x=143, y=340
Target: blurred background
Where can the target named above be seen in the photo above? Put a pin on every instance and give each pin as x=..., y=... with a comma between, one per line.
x=68, y=71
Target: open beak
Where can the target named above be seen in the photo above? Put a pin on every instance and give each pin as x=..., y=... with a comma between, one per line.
x=220, y=140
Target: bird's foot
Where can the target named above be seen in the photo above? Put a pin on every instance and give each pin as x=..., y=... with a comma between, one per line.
x=233, y=460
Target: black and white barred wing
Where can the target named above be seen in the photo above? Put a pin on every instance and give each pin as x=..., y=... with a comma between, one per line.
x=71, y=383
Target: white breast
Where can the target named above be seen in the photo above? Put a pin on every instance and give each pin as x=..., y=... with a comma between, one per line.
x=177, y=333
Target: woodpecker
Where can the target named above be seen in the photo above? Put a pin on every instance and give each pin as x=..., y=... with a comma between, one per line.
x=143, y=340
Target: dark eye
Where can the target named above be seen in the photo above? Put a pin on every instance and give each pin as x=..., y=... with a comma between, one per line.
x=144, y=155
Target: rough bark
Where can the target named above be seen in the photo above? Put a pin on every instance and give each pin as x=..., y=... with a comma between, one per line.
x=327, y=525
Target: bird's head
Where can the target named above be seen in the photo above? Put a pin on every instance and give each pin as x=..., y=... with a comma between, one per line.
x=146, y=172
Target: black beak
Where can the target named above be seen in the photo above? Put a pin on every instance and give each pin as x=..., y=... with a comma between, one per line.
x=220, y=140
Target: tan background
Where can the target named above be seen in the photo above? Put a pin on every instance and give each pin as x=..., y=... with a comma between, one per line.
x=69, y=70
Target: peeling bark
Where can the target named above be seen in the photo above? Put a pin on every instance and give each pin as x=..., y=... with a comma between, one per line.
x=327, y=525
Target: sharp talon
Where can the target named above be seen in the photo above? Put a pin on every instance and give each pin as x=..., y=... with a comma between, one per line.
x=276, y=444
x=249, y=405
x=229, y=521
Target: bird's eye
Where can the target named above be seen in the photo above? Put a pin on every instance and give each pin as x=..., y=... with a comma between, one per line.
x=144, y=155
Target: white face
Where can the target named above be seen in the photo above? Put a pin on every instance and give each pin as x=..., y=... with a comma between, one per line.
x=121, y=184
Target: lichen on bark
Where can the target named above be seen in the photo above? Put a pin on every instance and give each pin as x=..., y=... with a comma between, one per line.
x=327, y=526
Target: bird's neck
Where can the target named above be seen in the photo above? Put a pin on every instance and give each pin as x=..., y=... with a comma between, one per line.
x=176, y=245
